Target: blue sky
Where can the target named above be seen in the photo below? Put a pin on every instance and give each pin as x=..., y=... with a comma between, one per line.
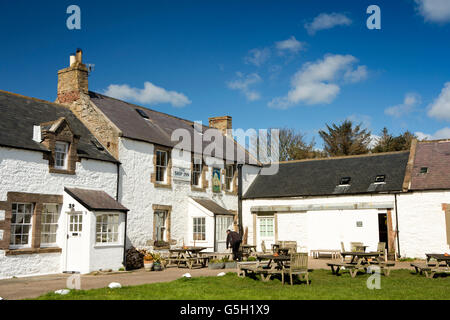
x=297, y=64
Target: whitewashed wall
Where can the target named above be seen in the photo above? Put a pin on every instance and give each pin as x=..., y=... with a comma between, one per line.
x=422, y=223
x=322, y=229
x=197, y=211
x=26, y=171
x=139, y=194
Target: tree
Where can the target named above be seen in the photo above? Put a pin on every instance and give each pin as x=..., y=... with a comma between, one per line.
x=345, y=139
x=387, y=142
x=292, y=146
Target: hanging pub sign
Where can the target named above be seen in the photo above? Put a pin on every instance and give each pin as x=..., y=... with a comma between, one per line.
x=216, y=181
x=182, y=174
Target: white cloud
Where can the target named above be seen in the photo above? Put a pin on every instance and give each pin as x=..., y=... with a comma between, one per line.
x=434, y=10
x=290, y=45
x=151, y=94
x=357, y=75
x=440, y=108
x=317, y=83
x=327, y=21
x=409, y=103
x=440, y=134
x=258, y=56
x=243, y=84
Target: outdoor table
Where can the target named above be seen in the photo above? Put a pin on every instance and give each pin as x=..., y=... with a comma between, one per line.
x=363, y=256
x=187, y=256
x=438, y=257
x=280, y=260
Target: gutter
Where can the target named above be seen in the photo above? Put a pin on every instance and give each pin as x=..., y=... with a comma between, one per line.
x=124, y=262
x=241, y=227
x=396, y=227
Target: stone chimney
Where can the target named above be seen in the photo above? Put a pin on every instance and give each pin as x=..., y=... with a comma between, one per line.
x=224, y=124
x=73, y=81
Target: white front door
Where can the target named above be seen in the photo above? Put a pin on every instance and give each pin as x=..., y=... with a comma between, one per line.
x=223, y=223
x=265, y=231
x=74, y=252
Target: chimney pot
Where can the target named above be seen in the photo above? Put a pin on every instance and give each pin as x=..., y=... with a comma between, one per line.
x=72, y=59
x=79, y=55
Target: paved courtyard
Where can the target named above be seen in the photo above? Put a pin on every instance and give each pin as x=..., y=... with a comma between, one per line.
x=32, y=287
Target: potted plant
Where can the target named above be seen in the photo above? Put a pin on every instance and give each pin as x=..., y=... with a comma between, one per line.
x=228, y=263
x=148, y=261
x=216, y=264
x=157, y=264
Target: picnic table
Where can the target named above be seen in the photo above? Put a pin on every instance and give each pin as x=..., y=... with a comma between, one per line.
x=266, y=266
x=438, y=257
x=187, y=257
x=431, y=268
x=360, y=261
x=248, y=250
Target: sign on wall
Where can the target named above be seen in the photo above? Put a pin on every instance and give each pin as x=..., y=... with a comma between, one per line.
x=1, y=235
x=216, y=181
x=182, y=174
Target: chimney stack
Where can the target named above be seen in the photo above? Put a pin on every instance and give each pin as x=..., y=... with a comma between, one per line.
x=73, y=81
x=224, y=124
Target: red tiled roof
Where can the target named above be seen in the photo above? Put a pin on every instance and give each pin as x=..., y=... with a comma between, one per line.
x=434, y=155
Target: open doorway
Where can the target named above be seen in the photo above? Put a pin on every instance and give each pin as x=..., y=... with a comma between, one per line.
x=383, y=229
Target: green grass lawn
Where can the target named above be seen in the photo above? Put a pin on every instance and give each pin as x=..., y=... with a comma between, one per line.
x=401, y=284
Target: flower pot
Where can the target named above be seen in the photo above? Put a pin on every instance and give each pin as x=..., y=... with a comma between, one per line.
x=157, y=266
x=148, y=265
x=230, y=265
x=216, y=265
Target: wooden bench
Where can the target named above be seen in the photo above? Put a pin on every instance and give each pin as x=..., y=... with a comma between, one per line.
x=429, y=269
x=337, y=266
x=249, y=267
x=335, y=254
x=385, y=266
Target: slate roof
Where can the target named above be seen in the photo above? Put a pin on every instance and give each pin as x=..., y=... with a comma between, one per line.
x=322, y=177
x=434, y=155
x=158, y=128
x=95, y=200
x=18, y=115
x=212, y=206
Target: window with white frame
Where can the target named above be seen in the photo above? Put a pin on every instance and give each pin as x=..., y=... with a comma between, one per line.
x=197, y=172
x=266, y=227
x=61, y=150
x=229, y=175
x=161, y=166
x=49, y=224
x=107, y=228
x=199, y=229
x=21, y=222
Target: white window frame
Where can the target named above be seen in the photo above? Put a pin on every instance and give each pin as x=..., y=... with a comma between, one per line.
x=197, y=174
x=107, y=227
x=229, y=179
x=65, y=147
x=54, y=222
x=161, y=166
x=264, y=231
x=199, y=228
x=14, y=224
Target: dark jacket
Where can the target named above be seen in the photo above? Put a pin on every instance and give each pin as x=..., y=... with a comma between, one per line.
x=232, y=238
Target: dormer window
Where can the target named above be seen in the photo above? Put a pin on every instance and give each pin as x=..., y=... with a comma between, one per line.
x=380, y=178
x=345, y=181
x=61, y=151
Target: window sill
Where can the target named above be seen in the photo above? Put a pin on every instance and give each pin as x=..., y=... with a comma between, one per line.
x=107, y=245
x=18, y=252
x=62, y=171
x=198, y=189
x=162, y=185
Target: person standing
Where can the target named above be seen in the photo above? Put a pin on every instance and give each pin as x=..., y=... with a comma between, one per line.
x=234, y=242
